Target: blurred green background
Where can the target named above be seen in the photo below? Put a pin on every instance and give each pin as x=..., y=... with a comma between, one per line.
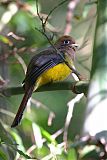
x=20, y=18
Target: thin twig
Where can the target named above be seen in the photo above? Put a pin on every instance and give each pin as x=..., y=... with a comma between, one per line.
x=54, y=10
x=31, y=149
x=21, y=61
x=57, y=133
x=70, y=12
x=16, y=36
x=41, y=18
x=38, y=11
x=50, y=118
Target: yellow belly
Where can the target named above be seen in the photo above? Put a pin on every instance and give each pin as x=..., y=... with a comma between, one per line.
x=57, y=73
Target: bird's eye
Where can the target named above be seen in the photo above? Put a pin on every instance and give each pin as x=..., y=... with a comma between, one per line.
x=66, y=42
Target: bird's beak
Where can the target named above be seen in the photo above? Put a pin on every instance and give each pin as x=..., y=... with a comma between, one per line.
x=75, y=46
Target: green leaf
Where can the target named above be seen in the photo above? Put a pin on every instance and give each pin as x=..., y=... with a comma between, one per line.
x=18, y=140
x=4, y=135
x=91, y=155
x=48, y=136
x=3, y=155
x=71, y=155
x=20, y=152
x=23, y=154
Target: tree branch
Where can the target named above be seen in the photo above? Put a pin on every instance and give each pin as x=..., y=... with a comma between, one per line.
x=76, y=87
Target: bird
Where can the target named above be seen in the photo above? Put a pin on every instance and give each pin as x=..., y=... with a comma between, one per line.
x=48, y=66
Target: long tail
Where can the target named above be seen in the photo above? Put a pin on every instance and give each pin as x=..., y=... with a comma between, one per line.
x=22, y=107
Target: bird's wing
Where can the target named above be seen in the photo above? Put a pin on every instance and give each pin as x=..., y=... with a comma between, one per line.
x=41, y=63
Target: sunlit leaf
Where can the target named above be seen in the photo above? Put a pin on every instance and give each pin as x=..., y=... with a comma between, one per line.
x=71, y=155
x=48, y=136
x=5, y=40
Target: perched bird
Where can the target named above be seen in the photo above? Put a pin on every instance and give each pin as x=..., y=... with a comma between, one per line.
x=47, y=66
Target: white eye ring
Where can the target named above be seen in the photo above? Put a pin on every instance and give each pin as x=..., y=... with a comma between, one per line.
x=66, y=42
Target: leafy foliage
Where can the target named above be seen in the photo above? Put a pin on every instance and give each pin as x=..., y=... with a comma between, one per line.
x=41, y=133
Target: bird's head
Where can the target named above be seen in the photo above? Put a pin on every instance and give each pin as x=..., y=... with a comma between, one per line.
x=67, y=44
